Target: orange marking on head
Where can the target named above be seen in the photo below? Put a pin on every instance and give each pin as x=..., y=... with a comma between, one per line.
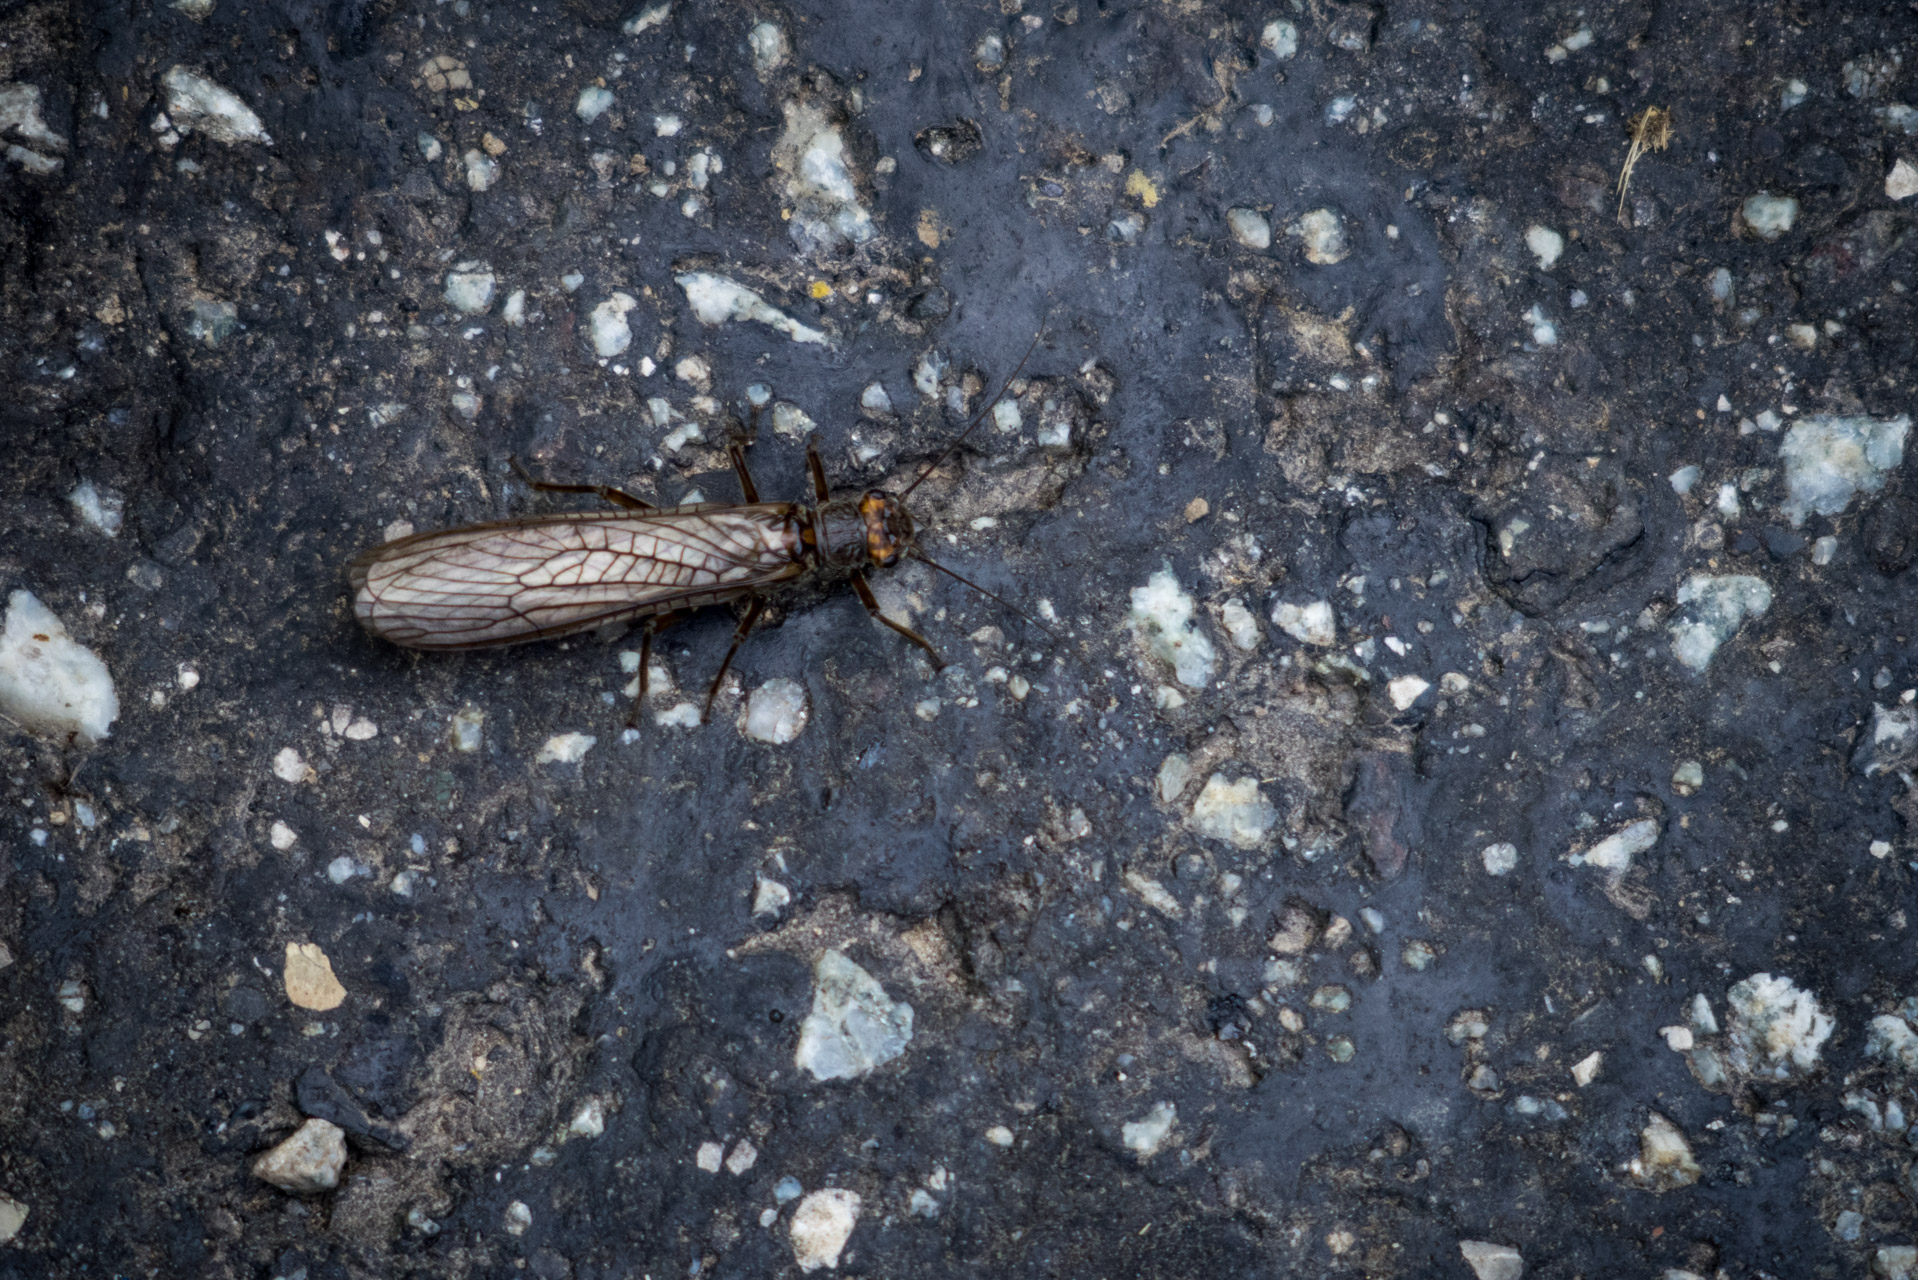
x=881, y=546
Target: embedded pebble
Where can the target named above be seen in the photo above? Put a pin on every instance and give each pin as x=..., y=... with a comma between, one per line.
x=308, y=977
x=13, y=1217
x=1311, y=623
x=1664, y=1161
x=517, y=1219
x=1713, y=609
x=1161, y=616
x=1776, y=1029
x=482, y=171
x=770, y=897
x=1499, y=859
x=710, y=1155
x=1236, y=812
x=1174, y=772
x=1240, y=624
x=854, y=1027
x=1902, y=182
x=1615, y=852
x=776, y=712
x=1770, y=216
x=48, y=681
x=1406, y=690
x=464, y=731
x=1492, y=1261
x=565, y=748
x=1322, y=234
x=1280, y=38
x=470, y=288
x=282, y=837
x=715, y=300
x=102, y=510
x=306, y=1163
x=821, y=1226
x=1250, y=228
x=811, y=153
x=1546, y=245
x=770, y=51
x=594, y=102
x=611, y=333
x=194, y=102
x=1829, y=459
x=1149, y=1133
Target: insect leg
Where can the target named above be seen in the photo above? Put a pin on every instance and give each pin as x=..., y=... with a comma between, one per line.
x=736, y=450
x=753, y=605
x=618, y=497
x=819, y=491
x=866, y=597
x=650, y=628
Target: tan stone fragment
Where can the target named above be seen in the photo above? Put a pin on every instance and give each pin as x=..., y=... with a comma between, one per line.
x=310, y=983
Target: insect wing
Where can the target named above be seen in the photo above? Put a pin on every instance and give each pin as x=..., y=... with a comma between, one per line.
x=531, y=579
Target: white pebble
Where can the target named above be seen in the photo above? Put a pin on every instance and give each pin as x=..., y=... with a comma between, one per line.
x=1280, y=38
x=1308, y=624
x=768, y=41
x=194, y=102
x=1250, y=228
x=282, y=837
x=1161, y=616
x=1149, y=1133
x=611, y=333
x=1499, y=859
x=1546, y=245
x=1406, y=690
x=1322, y=232
x=49, y=682
x=306, y=1163
x=594, y=102
x=565, y=748
x=1236, y=812
x=776, y=712
x=1770, y=216
x=100, y=509
x=710, y=1155
x=854, y=1026
x=821, y=1226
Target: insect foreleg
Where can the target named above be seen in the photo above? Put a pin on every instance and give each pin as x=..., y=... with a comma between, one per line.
x=866, y=597
x=753, y=606
x=736, y=450
x=818, y=470
x=618, y=497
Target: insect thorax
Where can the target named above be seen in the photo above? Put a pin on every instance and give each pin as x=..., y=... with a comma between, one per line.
x=856, y=533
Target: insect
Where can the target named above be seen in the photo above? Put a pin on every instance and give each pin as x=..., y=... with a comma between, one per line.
x=531, y=578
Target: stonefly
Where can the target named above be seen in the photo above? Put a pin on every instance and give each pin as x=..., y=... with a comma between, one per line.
x=531, y=578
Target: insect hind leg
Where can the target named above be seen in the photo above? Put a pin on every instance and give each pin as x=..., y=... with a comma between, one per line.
x=617, y=497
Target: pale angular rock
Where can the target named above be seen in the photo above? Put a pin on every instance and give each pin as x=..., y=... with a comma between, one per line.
x=854, y=1027
x=306, y=1163
x=821, y=1226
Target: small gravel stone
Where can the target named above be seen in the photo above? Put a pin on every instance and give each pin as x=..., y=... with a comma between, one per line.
x=517, y=1218
x=1174, y=772
x=1776, y=1029
x=482, y=171
x=594, y=102
x=308, y=977
x=1664, y=1161
x=1770, y=216
x=48, y=681
x=1312, y=623
x=1615, y=852
x=1492, y=1261
x=1250, y=228
x=565, y=748
x=1902, y=182
x=1240, y=624
x=1148, y=1134
x=101, y=510
x=854, y=1027
x=1406, y=690
x=770, y=51
x=1499, y=859
x=306, y=1163
x=1280, y=38
x=715, y=300
x=1830, y=459
x=1322, y=234
x=776, y=712
x=1236, y=812
x=1546, y=245
x=1161, y=617
x=1714, y=608
x=821, y=1226
x=194, y=102
x=13, y=1217
x=611, y=333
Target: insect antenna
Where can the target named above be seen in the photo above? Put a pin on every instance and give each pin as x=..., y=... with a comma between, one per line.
x=979, y=418
x=923, y=558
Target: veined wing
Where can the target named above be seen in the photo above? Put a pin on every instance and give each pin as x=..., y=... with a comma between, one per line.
x=542, y=576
